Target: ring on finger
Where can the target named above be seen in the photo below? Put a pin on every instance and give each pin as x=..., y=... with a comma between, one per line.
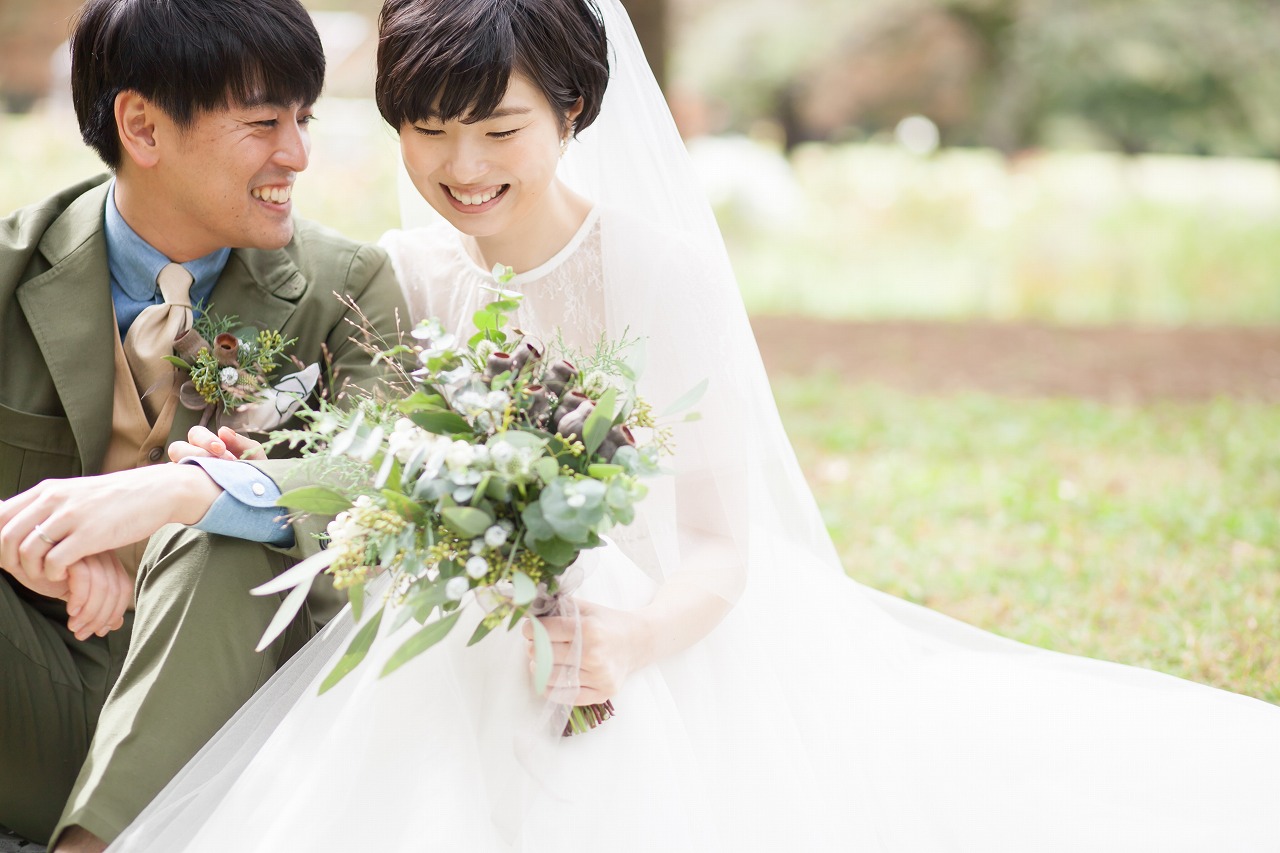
x=39, y=531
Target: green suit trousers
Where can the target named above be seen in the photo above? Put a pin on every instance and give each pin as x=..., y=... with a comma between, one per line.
x=173, y=674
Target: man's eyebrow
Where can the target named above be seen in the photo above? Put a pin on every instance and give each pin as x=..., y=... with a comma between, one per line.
x=258, y=101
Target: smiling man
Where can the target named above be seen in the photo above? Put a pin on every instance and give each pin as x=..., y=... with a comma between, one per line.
x=201, y=111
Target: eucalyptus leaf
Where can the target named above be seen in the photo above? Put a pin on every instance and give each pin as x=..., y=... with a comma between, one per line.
x=284, y=615
x=599, y=421
x=177, y=362
x=687, y=400
x=466, y=521
x=487, y=624
x=555, y=550
x=602, y=471
x=356, y=594
x=420, y=401
x=526, y=590
x=441, y=422
x=547, y=468
x=518, y=438
x=314, y=499
x=360, y=645
x=385, y=471
x=303, y=572
x=408, y=509
x=343, y=441
x=421, y=641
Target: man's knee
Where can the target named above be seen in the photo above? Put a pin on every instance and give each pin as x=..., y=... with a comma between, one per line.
x=183, y=557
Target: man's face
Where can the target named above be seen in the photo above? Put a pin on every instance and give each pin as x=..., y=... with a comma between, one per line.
x=227, y=180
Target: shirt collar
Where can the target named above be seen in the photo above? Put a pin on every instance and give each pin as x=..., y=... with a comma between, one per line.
x=135, y=264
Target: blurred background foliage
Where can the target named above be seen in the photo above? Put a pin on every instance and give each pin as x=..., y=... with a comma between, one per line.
x=1176, y=76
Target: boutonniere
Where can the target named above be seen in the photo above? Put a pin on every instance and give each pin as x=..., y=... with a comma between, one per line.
x=230, y=378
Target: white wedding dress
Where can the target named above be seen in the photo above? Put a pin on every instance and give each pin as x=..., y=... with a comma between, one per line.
x=820, y=715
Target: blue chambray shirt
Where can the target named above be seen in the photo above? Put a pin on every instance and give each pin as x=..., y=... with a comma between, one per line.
x=246, y=508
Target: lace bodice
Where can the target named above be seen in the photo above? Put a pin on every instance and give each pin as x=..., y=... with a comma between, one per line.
x=565, y=294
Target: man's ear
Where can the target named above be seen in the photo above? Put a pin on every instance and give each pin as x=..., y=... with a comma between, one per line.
x=136, y=124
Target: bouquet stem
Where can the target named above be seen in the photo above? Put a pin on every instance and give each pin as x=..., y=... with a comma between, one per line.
x=584, y=718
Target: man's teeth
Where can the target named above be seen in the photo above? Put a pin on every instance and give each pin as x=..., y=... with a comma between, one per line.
x=275, y=195
x=479, y=198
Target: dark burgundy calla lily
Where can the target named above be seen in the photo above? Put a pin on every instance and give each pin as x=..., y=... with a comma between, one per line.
x=558, y=377
x=617, y=437
x=538, y=403
x=499, y=362
x=526, y=354
x=568, y=405
x=574, y=423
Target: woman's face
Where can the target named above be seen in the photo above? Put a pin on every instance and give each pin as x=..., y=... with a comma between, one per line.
x=487, y=177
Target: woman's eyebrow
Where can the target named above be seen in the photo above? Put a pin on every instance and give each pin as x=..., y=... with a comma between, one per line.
x=506, y=112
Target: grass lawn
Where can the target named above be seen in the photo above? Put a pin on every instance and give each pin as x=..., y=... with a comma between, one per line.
x=1147, y=535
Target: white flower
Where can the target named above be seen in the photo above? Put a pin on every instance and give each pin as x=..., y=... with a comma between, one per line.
x=455, y=588
x=477, y=546
x=497, y=401
x=460, y=456
x=495, y=537
x=228, y=376
x=485, y=348
x=477, y=567
x=595, y=383
x=501, y=453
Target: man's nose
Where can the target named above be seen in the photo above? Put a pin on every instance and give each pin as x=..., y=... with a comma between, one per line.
x=294, y=149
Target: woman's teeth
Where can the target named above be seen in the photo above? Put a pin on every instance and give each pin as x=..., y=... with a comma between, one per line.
x=478, y=198
x=274, y=195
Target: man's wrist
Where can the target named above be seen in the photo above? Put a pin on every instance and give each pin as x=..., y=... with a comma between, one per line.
x=195, y=493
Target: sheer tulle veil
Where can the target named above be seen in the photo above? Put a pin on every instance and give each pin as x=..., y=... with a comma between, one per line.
x=846, y=712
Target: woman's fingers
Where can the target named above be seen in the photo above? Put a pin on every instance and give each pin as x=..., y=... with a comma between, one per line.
x=239, y=446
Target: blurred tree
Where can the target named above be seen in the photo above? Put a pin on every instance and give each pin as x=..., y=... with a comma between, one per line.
x=650, y=20
x=1136, y=75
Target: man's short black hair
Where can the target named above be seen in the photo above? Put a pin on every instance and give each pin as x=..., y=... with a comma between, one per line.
x=450, y=59
x=187, y=57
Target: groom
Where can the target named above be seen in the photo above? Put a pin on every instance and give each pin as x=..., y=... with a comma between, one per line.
x=200, y=109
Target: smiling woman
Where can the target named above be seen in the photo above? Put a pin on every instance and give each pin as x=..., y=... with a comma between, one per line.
x=480, y=140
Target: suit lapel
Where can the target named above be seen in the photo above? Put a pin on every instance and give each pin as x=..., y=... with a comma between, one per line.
x=69, y=310
x=261, y=288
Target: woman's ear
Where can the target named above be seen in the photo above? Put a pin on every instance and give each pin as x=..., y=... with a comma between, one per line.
x=136, y=125
x=574, y=111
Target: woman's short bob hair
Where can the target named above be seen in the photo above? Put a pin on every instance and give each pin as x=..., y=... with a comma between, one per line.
x=189, y=57
x=452, y=59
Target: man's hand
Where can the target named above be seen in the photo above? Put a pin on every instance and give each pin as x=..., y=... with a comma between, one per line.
x=227, y=444
x=58, y=523
x=97, y=591
x=614, y=644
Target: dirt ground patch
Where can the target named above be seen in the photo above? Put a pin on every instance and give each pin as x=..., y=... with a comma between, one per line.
x=1110, y=364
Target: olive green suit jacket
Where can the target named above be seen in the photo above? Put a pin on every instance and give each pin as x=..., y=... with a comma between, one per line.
x=56, y=327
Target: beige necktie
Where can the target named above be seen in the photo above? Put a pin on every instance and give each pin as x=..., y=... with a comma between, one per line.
x=151, y=338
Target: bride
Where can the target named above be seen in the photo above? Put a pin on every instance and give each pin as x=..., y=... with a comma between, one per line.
x=764, y=700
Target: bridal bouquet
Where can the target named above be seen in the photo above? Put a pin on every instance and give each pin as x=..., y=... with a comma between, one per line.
x=478, y=488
